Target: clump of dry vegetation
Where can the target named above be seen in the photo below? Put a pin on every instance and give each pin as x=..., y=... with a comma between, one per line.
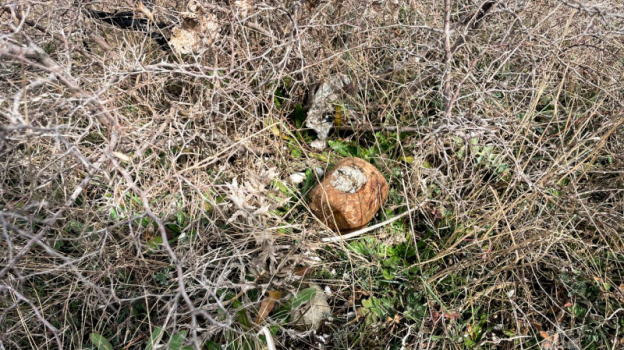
x=146, y=196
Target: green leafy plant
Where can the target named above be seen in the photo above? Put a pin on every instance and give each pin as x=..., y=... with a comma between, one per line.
x=299, y=299
x=100, y=342
x=154, y=338
x=176, y=341
x=376, y=309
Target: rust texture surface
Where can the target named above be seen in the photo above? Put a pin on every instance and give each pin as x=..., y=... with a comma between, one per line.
x=344, y=200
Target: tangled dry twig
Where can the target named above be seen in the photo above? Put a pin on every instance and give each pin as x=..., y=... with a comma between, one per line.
x=146, y=188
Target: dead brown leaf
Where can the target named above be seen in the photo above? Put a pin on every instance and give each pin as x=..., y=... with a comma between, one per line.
x=303, y=271
x=267, y=305
x=544, y=335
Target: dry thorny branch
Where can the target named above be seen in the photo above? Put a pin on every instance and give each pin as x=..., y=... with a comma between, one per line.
x=146, y=149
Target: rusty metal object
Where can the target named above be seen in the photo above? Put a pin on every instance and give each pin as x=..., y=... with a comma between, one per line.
x=349, y=195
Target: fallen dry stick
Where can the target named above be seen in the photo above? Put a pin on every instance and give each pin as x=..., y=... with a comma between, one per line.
x=371, y=228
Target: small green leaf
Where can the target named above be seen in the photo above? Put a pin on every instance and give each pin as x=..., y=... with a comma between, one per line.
x=462, y=152
x=154, y=338
x=502, y=168
x=58, y=244
x=407, y=159
x=302, y=297
x=155, y=242
x=367, y=303
x=323, y=157
x=281, y=187
x=145, y=222
x=100, y=342
x=578, y=311
x=296, y=152
x=177, y=340
x=181, y=218
x=241, y=315
x=210, y=345
x=387, y=274
x=340, y=147
x=175, y=229
x=308, y=182
x=137, y=200
x=299, y=115
x=243, y=319
x=75, y=227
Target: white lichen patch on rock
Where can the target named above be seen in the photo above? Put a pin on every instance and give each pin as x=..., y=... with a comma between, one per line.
x=183, y=41
x=244, y=7
x=297, y=178
x=348, y=179
x=313, y=314
x=325, y=99
x=199, y=30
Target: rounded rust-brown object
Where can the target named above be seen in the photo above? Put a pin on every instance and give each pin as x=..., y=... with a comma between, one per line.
x=349, y=195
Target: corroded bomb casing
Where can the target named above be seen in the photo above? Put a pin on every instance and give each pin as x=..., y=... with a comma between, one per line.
x=349, y=195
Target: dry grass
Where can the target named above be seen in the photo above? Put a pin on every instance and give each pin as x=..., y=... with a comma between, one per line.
x=145, y=189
